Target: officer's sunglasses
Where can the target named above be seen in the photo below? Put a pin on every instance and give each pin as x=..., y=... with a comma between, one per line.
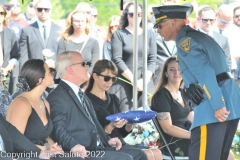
x=45, y=9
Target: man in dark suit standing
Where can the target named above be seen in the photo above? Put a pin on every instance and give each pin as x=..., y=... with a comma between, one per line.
x=40, y=35
x=76, y=127
x=206, y=18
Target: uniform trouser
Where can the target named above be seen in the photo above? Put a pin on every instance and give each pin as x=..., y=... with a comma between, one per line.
x=212, y=141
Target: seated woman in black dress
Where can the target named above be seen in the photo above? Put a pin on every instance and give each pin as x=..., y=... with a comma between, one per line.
x=29, y=113
x=105, y=104
x=174, y=116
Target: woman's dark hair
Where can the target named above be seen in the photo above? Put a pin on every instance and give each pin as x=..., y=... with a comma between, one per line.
x=32, y=71
x=124, y=21
x=99, y=67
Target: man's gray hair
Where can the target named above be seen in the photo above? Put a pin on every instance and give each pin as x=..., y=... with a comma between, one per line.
x=63, y=60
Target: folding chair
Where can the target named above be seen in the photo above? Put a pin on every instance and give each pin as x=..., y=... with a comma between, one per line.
x=164, y=142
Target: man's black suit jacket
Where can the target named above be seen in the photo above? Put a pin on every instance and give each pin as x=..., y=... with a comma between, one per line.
x=14, y=141
x=71, y=123
x=31, y=43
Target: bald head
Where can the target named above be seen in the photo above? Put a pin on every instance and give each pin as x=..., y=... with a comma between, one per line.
x=224, y=16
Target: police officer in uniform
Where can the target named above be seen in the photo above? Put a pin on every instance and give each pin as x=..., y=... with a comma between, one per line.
x=216, y=112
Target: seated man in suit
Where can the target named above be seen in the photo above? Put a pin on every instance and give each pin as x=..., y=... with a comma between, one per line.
x=76, y=127
x=14, y=144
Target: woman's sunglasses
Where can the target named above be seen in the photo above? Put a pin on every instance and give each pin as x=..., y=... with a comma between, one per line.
x=131, y=14
x=108, y=78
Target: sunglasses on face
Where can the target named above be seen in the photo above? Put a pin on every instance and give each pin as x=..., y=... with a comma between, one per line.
x=237, y=16
x=2, y=13
x=108, y=78
x=84, y=64
x=204, y=20
x=131, y=14
x=8, y=8
x=41, y=9
x=224, y=21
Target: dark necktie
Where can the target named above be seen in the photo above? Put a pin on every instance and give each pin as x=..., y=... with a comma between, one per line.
x=220, y=31
x=81, y=96
x=44, y=34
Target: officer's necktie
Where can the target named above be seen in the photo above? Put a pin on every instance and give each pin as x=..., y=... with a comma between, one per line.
x=44, y=34
x=81, y=96
x=1, y=144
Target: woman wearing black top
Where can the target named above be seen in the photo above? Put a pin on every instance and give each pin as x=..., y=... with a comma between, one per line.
x=174, y=116
x=122, y=52
x=105, y=104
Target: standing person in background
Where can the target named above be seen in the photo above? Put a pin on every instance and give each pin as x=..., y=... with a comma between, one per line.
x=8, y=51
x=30, y=14
x=75, y=36
x=236, y=19
x=236, y=16
x=112, y=27
x=40, y=35
x=122, y=52
x=225, y=27
x=17, y=23
x=206, y=18
x=211, y=90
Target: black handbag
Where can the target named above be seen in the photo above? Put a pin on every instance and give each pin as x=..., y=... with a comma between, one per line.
x=193, y=95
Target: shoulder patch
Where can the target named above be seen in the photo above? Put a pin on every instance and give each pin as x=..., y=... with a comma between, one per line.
x=185, y=45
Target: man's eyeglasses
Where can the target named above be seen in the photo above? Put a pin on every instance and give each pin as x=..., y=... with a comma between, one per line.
x=224, y=21
x=237, y=16
x=41, y=9
x=3, y=13
x=108, y=78
x=84, y=64
x=131, y=14
x=205, y=20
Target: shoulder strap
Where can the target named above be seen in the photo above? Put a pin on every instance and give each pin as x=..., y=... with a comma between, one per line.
x=84, y=44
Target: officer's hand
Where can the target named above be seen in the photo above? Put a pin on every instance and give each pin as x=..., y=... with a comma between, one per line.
x=222, y=114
